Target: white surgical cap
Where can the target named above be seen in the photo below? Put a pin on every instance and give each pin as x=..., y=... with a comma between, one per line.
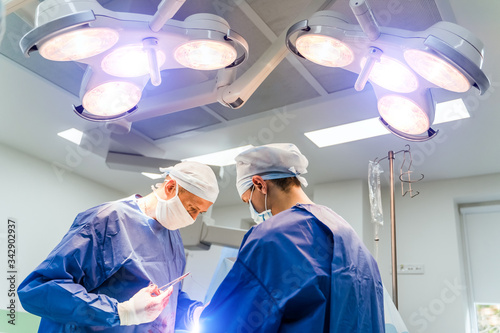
x=194, y=177
x=273, y=161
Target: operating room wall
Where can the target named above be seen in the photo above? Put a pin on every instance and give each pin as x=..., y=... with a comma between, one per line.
x=428, y=232
x=43, y=207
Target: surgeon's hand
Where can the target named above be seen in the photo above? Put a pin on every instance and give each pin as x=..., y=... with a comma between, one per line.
x=145, y=306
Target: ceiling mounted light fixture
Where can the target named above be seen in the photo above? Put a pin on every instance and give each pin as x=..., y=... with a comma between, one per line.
x=403, y=66
x=124, y=51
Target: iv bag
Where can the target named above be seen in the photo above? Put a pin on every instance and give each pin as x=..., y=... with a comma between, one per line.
x=374, y=171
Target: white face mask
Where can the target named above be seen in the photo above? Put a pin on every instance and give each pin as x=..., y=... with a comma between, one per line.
x=171, y=213
x=256, y=216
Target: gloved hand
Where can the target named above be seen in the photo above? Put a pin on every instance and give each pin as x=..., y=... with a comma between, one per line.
x=145, y=306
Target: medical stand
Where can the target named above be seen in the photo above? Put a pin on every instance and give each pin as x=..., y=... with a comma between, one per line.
x=394, y=261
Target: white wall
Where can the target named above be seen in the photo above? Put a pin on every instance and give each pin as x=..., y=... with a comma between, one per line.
x=348, y=199
x=44, y=206
x=428, y=233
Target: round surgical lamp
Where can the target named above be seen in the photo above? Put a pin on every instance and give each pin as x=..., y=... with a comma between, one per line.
x=77, y=44
x=320, y=40
x=392, y=75
x=451, y=59
x=205, y=54
x=211, y=49
x=108, y=98
x=408, y=118
x=62, y=31
x=111, y=99
x=403, y=114
x=130, y=61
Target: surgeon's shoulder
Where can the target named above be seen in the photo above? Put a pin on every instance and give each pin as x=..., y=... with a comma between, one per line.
x=105, y=212
x=283, y=223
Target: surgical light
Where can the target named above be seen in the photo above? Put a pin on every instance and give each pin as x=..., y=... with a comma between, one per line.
x=112, y=98
x=205, y=55
x=403, y=114
x=392, y=75
x=123, y=51
x=78, y=44
x=436, y=70
x=325, y=50
x=402, y=66
x=130, y=61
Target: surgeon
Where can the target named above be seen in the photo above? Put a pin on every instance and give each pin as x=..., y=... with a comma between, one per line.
x=106, y=272
x=302, y=268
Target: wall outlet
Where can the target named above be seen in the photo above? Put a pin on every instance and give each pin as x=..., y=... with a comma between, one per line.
x=411, y=269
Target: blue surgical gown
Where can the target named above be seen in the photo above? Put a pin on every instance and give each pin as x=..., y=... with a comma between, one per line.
x=110, y=252
x=303, y=270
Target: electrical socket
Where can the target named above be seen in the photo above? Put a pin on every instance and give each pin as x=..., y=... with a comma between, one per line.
x=411, y=269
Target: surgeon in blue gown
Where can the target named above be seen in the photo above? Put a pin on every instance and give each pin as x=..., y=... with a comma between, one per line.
x=302, y=268
x=105, y=273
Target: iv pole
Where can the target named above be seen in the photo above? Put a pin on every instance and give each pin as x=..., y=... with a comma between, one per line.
x=394, y=261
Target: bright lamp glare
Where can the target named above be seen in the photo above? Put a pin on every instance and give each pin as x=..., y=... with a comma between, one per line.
x=437, y=71
x=403, y=114
x=220, y=158
x=129, y=61
x=78, y=44
x=324, y=50
x=392, y=75
x=112, y=98
x=205, y=54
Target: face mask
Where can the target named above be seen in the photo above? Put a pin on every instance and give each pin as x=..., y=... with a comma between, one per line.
x=171, y=213
x=256, y=216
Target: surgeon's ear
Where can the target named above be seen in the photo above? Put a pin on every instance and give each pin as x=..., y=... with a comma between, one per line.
x=259, y=184
x=169, y=188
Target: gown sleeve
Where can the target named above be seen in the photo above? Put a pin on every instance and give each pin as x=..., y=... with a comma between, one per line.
x=58, y=289
x=241, y=304
x=185, y=309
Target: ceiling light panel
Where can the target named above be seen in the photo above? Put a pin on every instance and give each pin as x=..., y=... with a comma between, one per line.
x=445, y=112
x=220, y=158
x=347, y=133
x=72, y=135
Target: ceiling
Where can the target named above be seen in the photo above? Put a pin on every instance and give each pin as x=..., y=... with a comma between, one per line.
x=296, y=97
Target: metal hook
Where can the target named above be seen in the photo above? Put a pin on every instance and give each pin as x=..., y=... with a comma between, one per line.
x=407, y=173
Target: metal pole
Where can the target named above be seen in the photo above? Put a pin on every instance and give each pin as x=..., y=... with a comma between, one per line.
x=393, y=233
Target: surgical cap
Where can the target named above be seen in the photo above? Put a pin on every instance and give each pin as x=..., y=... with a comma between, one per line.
x=273, y=161
x=195, y=177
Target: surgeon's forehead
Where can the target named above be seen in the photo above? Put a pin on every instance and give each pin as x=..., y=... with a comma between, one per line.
x=194, y=201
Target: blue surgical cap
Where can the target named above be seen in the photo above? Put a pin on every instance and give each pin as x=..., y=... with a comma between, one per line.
x=273, y=161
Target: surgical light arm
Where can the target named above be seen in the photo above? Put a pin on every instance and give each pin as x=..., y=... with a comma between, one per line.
x=200, y=236
x=237, y=93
